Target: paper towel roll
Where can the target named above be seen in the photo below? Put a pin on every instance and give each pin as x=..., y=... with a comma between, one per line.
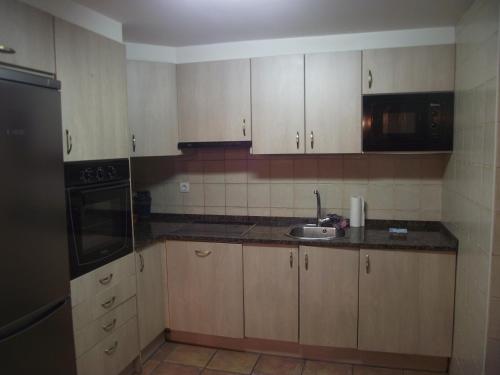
x=357, y=218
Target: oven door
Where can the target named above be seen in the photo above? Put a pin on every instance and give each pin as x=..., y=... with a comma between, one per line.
x=99, y=220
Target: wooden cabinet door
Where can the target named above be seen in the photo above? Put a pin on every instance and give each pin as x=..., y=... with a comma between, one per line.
x=92, y=72
x=409, y=69
x=205, y=282
x=152, y=108
x=278, y=105
x=406, y=302
x=150, y=293
x=30, y=33
x=333, y=103
x=329, y=296
x=271, y=292
x=214, y=101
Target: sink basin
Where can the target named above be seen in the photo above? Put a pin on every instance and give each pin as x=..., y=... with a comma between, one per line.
x=312, y=232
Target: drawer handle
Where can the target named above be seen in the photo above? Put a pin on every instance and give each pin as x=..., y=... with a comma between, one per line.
x=7, y=50
x=291, y=259
x=69, y=142
x=110, y=326
x=202, y=254
x=110, y=302
x=370, y=79
x=367, y=263
x=112, y=348
x=307, y=262
x=141, y=266
x=106, y=280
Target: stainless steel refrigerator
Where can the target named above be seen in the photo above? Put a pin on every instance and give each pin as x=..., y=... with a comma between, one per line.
x=35, y=310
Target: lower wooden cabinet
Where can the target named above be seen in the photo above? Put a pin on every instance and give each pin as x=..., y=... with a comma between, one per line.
x=271, y=292
x=150, y=293
x=329, y=296
x=406, y=302
x=205, y=282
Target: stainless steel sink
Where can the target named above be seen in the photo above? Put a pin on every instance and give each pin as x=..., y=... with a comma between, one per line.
x=313, y=232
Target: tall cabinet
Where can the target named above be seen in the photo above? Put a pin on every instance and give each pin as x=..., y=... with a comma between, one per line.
x=92, y=71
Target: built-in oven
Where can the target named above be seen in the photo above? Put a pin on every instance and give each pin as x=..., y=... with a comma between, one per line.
x=408, y=122
x=98, y=213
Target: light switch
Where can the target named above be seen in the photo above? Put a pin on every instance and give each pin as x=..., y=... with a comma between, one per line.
x=184, y=187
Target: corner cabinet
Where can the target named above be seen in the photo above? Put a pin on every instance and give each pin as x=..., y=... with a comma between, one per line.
x=214, y=101
x=152, y=108
x=26, y=37
x=92, y=71
x=205, y=288
x=150, y=293
x=406, y=302
x=278, y=105
x=409, y=69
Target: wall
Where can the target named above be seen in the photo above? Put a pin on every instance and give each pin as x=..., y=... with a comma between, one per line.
x=235, y=183
x=468, y=186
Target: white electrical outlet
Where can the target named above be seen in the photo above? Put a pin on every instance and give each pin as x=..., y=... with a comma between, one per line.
x=184, y=187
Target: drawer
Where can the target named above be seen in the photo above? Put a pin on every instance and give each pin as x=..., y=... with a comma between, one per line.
x=103, y=302
x=105, y=277
x=113, y=354
x=104, y=326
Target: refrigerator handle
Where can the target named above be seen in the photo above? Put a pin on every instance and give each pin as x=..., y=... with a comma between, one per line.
x=26, y=322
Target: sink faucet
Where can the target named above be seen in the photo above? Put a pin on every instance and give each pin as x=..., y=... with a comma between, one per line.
x=318, y=208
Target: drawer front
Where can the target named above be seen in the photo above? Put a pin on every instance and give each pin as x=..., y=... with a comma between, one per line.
x=113, y=354
x=104, y=326
x=87, y=286
x=101, y=303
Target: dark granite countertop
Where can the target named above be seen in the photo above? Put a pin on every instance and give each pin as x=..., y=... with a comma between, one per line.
x=430, y=236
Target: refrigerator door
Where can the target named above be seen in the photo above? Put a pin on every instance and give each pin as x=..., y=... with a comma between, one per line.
x=34, y=270
x=40, y=344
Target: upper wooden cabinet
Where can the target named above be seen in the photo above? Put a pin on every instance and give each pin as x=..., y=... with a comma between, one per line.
x=329, y=296
x=152, y=108
x=205, y=288
x=271, y=275
x=92, y=71
x=406, y=302
x=28, y=34
x=409, y=69
x=333, y=102
x=214, y=101
x=278, y=105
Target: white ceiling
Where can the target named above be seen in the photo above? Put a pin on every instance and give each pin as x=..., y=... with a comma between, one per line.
x=194, y=22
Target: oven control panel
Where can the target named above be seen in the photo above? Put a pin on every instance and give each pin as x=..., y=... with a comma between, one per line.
x=96, y=172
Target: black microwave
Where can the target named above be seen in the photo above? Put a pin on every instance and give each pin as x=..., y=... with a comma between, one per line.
x=408, y=122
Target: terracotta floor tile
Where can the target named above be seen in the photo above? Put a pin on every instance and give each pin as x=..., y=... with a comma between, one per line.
x=190, y=355
x=173, y=369
x=231, y=361
x=273, y=365
x=215, y=372
x=325, y=368
x=163, y=351
x=364, y=370
x=149, y=366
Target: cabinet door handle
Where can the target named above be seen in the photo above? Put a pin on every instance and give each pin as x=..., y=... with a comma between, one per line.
x=297, y=140
x=111, y=349
x=69, y=142
x=367, y=263
x=7, y=50
x=110, y=326
x=141, y=259
x=370, y=79
x=244, y=128
x=307, y=262
x=109, y=303
x=133, y=142
x=202, y=254
x=106, y=280
x=312, y=139
x=291, y=259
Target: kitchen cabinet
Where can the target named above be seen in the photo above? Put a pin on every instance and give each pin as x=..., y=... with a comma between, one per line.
x=278, y=105
x=150, y=293
x=333, y=102
x=92, y=71
x=406, y=302
x=409, y=69
x=271, y=280
x=205, y=283
x=329, y=296
x=152, y=108
x=214, y=101
x=26, y=37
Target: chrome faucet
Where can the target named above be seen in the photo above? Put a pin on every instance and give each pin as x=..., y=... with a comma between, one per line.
x=318, y=208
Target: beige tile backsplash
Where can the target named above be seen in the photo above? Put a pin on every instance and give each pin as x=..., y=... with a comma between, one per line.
x=233, y=181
